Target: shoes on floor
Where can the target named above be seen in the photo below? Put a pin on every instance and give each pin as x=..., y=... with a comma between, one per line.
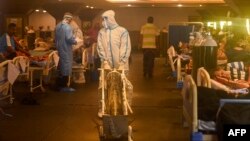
x=67, y=89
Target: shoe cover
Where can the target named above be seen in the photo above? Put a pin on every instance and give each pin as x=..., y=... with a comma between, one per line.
x=67, y=89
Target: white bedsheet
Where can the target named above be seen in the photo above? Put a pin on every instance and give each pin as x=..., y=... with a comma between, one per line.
x=13, y=73
x=206, y=125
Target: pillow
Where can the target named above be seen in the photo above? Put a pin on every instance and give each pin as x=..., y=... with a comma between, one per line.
x=237, y=74
x=237, y=65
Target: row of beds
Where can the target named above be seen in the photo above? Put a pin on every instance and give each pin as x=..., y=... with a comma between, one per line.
x=206, y=101
x=205, y=105
x=23, y=68
x=40, y=64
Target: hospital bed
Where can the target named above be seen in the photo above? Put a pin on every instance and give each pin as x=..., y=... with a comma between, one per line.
x=5, y=85
x=23, y=64
x=171, y=54
x=191, y=105
x=180, y=74
x=190, y=109
x=44, y=68
x=115, y=106
x=182, y=69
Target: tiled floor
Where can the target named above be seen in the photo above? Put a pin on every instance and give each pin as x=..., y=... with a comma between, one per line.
x=70, y=117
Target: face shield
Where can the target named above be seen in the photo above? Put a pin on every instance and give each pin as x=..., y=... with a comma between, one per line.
x=105, y=22
x=67, y=17
x=109, y=19
x=67, y=20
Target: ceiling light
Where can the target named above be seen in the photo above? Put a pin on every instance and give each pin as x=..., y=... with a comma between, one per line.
x=166, y=1
x=91, y=7
x=121, y=0
x=129, y=5
x=229, y=23
x=37, y=10
x=60, y=0
x=153, y=5
x=200, y=5
x=87, y=6
x=44, y=11
x=179, y=5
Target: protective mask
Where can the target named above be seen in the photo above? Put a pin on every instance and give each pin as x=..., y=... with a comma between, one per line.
x=66, y=21
x=104, y=23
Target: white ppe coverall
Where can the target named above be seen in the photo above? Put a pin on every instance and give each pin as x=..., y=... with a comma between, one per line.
x=113, y=43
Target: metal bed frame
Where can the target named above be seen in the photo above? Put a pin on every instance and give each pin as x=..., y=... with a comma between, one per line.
x=190, y=103
x=18, y=63
x=50, y=64
x=5, y=86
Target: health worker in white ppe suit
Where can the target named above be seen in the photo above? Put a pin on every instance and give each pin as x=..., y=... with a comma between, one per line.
x=113, y=43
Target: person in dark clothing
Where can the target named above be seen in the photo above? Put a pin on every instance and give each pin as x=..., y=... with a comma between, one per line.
x=9, y=45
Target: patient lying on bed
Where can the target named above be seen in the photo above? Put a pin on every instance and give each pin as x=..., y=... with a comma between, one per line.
x=224, y=77
x=39, y=58
x=41, y=45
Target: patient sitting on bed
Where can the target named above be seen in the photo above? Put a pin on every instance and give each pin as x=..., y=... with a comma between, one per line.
x=9, y=44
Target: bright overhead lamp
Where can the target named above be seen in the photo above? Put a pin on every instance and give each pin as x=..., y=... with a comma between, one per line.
x=114, y=1
x=229, y=23
x=248, y=26
x=179, y=5
x=167, y=1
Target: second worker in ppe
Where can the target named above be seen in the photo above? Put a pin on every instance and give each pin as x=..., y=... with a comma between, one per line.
x=113, y=43
x=64, y=40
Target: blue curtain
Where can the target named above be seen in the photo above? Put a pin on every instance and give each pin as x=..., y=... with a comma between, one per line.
x=178, y=33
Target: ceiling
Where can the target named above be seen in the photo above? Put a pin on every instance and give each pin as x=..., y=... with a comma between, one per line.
x=57, y=7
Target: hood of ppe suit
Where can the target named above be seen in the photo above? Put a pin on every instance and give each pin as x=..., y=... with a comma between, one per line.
x=109, y=19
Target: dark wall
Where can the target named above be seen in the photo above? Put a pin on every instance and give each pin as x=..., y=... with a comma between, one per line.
x=1, y=23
